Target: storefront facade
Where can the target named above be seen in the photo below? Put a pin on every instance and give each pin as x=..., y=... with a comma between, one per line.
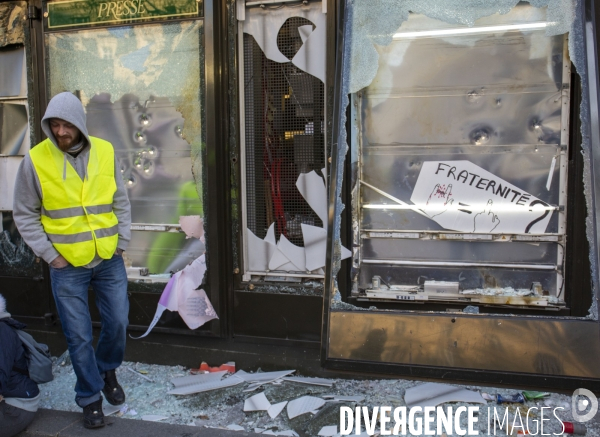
x=406, y=190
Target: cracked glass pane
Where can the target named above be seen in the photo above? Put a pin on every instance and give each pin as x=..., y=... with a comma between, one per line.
x=459, y=142
x=16, y=258
x=141, y=86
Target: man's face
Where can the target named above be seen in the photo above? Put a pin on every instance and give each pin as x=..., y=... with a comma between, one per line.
x=65, y=133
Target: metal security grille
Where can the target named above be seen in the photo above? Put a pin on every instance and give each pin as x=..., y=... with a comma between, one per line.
x=284, y=136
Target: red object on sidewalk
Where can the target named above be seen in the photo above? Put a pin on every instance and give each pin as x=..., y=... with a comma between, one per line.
x=575, y=428
x=205, y=368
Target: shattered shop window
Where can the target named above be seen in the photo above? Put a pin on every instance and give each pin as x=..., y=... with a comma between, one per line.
x=283, y=148
x=459, y=153
x=16, y=258
x=140, y=86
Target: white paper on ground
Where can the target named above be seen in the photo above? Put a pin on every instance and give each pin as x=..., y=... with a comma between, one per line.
x=262, y=376
x=303, y=405
x=288, y=432
x=264, y=25
x=487, y=397
x=261, y=251
x=315, y=246
x=275, y=409
x=153, y=417
x=313, y=381
x=206, y=386
x=432, y=394
x=312, y=187
x=258, y=402
x=192, y=225
x=108, y=409
x=328, y=431
x=254, y=386
x=462, y=196
x=335, y=398
x=197, y=379
x=269, y=432
x=235, y=427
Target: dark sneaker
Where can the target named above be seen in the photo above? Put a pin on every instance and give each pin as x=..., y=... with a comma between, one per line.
x=112, y=390
x=93, y=417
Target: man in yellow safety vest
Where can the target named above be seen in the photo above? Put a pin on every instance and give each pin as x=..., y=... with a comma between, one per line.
x=71, y=208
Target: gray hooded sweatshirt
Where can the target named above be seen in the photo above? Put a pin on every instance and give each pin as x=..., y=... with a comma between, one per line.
x=28, y=193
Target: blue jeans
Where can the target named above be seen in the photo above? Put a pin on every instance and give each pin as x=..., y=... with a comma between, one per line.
x=70, y=289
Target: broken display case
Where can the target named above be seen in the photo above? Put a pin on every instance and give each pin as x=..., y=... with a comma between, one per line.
x=465, y=184
x=460, y=173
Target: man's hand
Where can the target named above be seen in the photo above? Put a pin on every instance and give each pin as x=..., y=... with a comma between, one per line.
x=59, y=262
x=119, y=252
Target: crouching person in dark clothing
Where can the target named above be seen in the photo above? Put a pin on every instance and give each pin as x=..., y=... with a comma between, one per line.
x=19, y=395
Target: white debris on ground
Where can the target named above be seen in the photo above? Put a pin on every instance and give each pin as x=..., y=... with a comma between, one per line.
x=147, y=385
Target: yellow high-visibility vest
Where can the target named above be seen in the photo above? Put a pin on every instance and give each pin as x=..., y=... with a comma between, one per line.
x=77, y=214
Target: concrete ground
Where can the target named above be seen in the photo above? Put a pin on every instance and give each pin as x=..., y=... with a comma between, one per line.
x=53, y=423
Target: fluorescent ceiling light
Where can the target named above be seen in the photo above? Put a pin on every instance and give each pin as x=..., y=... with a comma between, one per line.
x=471, y=30
x=472, y=208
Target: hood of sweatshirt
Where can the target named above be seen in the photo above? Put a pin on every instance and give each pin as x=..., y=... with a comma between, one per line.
x=69, y=108
x=66, y=107
x=3, y=312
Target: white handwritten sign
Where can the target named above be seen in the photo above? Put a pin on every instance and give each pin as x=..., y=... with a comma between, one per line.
x=462, y=196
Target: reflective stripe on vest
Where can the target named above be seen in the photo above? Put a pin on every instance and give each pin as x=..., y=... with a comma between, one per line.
x=82, y=236
x=77, y=214
x=75, y=211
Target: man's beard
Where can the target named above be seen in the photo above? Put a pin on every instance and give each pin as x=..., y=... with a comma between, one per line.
x=65, y=143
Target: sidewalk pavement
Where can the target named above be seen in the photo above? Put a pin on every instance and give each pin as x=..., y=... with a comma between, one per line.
x=53, y=423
